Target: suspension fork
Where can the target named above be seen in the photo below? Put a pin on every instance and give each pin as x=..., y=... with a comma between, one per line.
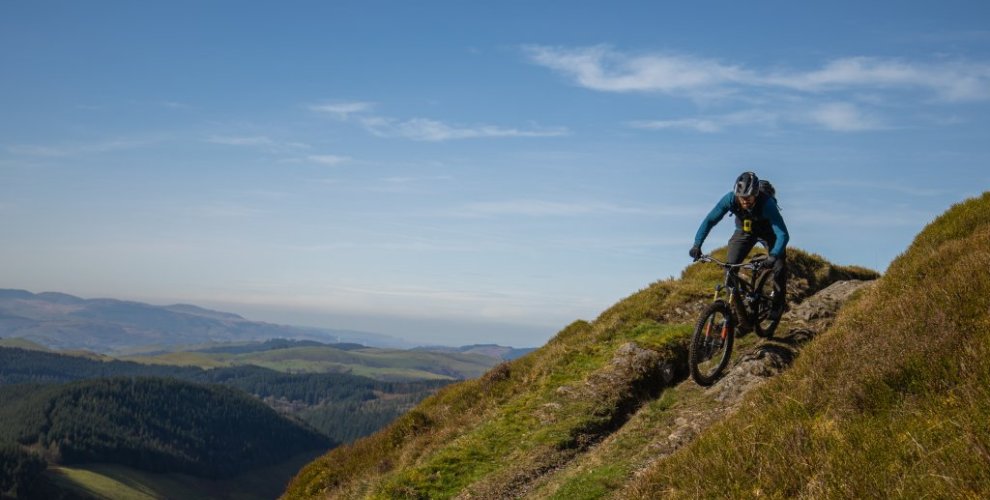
x=725, y=323
x=725, y=328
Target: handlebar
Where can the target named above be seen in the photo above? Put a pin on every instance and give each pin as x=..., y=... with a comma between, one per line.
x=754, y=263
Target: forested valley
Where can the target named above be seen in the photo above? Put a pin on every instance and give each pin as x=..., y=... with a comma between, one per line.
x=214, y=423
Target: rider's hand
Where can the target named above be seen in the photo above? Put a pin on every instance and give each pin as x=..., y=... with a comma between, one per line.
x=770, y=261
x=695, y=252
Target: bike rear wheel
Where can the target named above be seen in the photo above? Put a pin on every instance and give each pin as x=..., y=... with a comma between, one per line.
x=711, y=344
x=764, y=325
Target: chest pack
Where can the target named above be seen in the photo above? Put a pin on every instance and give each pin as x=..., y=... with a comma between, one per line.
x=753, y=220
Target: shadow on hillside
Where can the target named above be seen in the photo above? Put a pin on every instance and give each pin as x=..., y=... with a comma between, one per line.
x=783, y=350
x=795, y=337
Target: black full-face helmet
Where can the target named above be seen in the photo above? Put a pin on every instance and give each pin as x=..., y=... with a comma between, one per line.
x=747, y=184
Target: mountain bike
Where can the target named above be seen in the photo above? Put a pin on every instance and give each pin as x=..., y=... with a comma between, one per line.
x=742, y=301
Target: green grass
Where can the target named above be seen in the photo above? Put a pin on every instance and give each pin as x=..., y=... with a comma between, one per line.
x=534, y=414
x=515, y=432
x=595, y=483
x=611, y=465
x=892, y=402
x=118, y=482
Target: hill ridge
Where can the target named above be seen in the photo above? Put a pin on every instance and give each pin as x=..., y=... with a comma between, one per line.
x=66, y=322
x=525, y=418
x=892, y=402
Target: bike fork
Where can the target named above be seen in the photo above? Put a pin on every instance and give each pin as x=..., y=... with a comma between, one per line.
x=709, y=339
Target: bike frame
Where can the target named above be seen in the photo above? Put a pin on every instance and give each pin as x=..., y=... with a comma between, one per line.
x=743, y=310
x=735, y=286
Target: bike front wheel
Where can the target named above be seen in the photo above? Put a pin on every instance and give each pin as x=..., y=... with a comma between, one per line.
x=711, y=344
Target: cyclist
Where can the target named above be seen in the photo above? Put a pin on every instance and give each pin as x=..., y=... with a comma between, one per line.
x=758, y=219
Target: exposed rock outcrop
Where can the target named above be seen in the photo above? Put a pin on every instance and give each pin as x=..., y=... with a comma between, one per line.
x=818, y=312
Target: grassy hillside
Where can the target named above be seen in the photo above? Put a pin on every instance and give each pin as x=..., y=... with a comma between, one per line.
x=893, y=402
x=488, y=437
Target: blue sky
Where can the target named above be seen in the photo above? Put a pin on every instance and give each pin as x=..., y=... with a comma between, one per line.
x=459, y=172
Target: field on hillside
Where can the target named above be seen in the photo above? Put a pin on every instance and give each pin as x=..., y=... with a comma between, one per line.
x=124, y=483
x=379, y=364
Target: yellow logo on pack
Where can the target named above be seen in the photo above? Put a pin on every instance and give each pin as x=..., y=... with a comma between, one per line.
x=747, y=225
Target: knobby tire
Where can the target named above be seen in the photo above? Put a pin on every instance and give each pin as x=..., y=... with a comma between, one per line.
x=709, y=352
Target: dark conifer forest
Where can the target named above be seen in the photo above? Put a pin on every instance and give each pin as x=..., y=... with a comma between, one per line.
x=213, y=423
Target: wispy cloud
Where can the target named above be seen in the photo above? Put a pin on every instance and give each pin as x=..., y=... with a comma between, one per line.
x=542, y=208
x=605, y=69
x=76, y=149
x=710, y=124
x=842, y=95
x=424, y=129
x=343, y=109
x=175, y=105
x=241, y=140
x=834, y=116
x=257, y=141
x=328, y=159
x=407, y=180
x=408, y=184
x=950, y=80
x=844, y=117
x=699, y=124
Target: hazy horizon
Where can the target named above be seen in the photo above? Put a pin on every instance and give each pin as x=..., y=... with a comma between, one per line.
x=411, y=330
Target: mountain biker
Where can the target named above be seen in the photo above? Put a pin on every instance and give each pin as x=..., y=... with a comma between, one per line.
x=758, y=219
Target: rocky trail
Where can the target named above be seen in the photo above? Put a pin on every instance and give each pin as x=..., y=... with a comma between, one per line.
x=693, y=408
x=754, y=365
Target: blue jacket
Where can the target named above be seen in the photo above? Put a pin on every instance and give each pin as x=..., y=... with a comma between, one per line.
x=764, y=216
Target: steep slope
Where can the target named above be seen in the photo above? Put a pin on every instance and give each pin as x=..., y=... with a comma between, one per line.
x=892, y=402
x=502, y=434
x=661, y=427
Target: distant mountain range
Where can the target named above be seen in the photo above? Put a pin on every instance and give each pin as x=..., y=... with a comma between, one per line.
x=64, y=322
